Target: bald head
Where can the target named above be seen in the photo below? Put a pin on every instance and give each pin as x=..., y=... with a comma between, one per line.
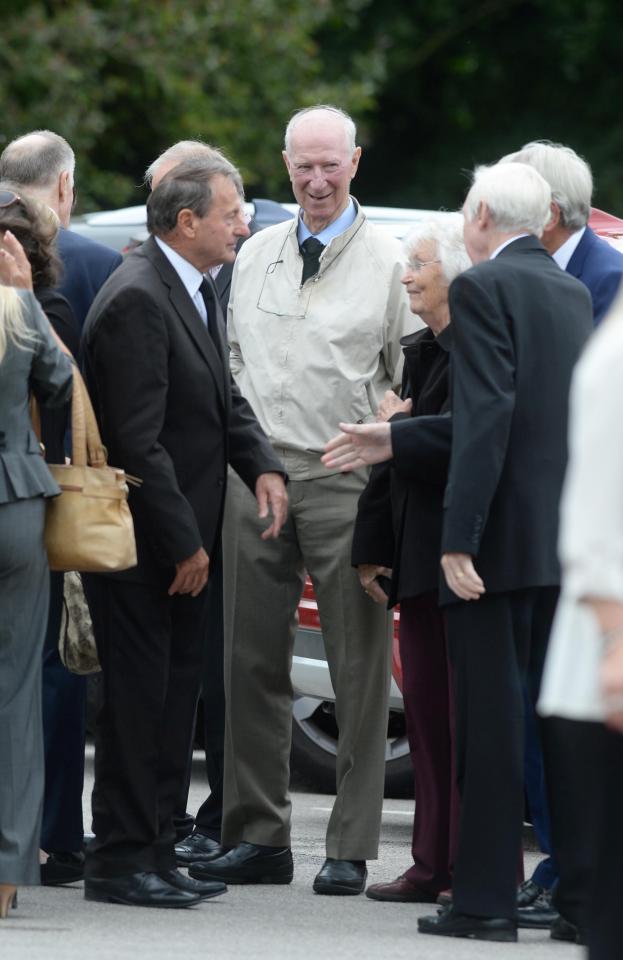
x=181, y=152
x=318, y=120
x=42, y=164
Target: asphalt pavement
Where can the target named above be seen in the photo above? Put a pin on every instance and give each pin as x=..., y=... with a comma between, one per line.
x=258, y=922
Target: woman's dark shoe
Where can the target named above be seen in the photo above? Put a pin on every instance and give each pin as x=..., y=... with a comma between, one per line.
x=138, y=890
x=197, y=847
x=247, y=863
x=341, y=877
x=449, y=923
x=205, y=888
x=539, y=915
x=62, y=868
x=400, y=890
x=528, y=892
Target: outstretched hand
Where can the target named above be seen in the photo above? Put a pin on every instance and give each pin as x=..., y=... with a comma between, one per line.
x=358, y=445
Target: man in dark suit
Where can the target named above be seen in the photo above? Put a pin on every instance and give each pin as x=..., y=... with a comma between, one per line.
x=41, y=164
x=564, y=875
x=513, y=312
x=567, y=236
x=156, y=365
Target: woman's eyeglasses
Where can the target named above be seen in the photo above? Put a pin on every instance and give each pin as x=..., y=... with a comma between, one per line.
x=7, y=197
x=414, y=264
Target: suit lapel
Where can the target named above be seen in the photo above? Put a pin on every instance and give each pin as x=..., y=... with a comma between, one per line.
x=187, y=311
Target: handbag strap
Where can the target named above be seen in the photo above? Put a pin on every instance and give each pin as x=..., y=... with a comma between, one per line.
x=86, y=442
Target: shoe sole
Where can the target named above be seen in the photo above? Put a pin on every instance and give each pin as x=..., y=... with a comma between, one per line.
x=101, y=897
x=398, y=899
x=496, y=936
x=336, y=889
x=269, y=878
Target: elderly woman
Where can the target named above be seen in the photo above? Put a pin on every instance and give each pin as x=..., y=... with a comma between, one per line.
x=29, y=360
x=398, y=534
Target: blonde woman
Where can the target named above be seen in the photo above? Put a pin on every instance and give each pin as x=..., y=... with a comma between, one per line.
x=30, y=360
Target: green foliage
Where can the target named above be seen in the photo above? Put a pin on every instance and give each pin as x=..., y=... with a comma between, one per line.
x=123, y=79
x=435, y=87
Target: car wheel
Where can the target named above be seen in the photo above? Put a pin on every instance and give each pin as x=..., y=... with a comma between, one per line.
x=314, y=747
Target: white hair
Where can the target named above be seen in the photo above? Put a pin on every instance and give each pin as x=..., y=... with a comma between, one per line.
x=517, y=196
x=350, y=130
x=36, y=159
x=446, y=233
x=13, y=325
x=181, y=151
x=568, y=175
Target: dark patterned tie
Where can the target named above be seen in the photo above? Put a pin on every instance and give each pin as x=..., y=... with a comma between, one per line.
x=208, y=298
x=310, y=251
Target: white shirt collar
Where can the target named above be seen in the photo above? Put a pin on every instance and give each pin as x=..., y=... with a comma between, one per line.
x=505, y=244
x=189, y=275
x=563, y=255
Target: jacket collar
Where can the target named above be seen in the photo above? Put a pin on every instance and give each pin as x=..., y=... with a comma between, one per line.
x=187, y=312
x=334, y=248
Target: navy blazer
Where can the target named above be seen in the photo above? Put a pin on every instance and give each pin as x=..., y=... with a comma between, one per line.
x=86, y=267
x=600, y=267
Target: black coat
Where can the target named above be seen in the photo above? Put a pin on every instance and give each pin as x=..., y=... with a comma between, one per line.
x=168, y=409
x=519, y=323
x=399, y=517
x=54, y=420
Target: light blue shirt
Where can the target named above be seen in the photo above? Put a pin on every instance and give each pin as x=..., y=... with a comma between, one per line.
x=343, y=222
x=189, y=275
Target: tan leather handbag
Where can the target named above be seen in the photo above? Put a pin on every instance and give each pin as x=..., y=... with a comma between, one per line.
x=89, y=527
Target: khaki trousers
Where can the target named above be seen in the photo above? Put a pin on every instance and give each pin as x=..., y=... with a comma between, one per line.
x=263, y=586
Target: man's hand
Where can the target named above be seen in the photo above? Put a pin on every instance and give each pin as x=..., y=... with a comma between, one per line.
x=367, y=573
x=391, y=404
x=192, y=574
x=359, y=445
x=461, y=576
x=271, y=496
x=14, y=265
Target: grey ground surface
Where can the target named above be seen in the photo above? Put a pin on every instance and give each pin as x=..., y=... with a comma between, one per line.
x=271, y=923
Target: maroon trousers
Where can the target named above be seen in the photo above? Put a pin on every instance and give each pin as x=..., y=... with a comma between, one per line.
x=428, y=699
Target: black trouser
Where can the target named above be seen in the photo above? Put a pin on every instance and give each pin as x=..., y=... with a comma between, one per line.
x=574, y=751
x=210, y=813
x=492, y=643
x=150, y=647
x=606, y=905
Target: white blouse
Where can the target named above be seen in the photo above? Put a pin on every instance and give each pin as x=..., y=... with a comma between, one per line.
x=591, y=525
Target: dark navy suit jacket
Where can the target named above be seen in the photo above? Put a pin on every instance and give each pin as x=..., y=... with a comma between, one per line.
x=87, y=265
x=600, y=268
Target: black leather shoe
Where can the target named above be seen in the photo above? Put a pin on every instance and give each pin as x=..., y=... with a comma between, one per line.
x=206, y=889
x=62, y=868
x=138, y=890
x=247, y=863
x=449, y=923
x=539, y=915
x=527, y=893
x=562, y=929
x=341, y=877
x=196, y=848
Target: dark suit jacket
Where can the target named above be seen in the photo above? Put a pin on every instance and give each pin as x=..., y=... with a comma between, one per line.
x=54, y=420
x=600, y=267
x=168, y=409
x=86, y=266
x=519, y=324
x=398, y=521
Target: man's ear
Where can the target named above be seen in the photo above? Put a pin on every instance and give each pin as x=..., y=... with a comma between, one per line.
x=286, y=160
x=186, y=222
x=355, y=162
x=483, y=215
x=554, y=220
x=64, y=186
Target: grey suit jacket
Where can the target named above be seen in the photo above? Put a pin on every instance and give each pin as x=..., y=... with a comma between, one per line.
x=42, y=368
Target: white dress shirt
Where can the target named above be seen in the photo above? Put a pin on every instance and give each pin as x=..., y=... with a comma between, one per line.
x=563, y=255
x=188, y=274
